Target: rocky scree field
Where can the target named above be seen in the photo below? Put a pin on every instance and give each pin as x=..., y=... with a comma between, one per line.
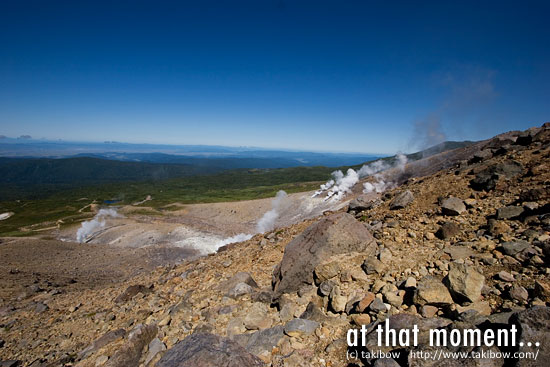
x=465, y=247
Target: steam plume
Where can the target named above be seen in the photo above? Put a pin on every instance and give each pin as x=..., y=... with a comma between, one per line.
x=468, y=92
x=267, y=221
x=428, y=132
x=241, y=237
x=337, y=187
x=90, y=226
x=380, y=184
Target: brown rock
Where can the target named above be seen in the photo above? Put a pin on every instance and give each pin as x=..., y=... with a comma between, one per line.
x=505, y=276
x=365, y=302
x=519, y=293
x=497, y=227
x=130, y=353
x=542, y=290
x=448, y=230
x=131, y=292
x=429, y=311
x=431, y=291
x=335, y=234
x=361, y=319
x=465, y=283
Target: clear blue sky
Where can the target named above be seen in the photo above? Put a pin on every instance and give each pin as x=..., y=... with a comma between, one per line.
x=314, y=75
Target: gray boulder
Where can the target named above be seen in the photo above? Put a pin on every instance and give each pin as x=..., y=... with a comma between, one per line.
x=534, y=327
x=333, y=235
x=512, y=248
x=487, y=179
x=452, y=206
x=402, y=200
x=300, y=327
x=208, y=350
x=362, y=202
x=509, y=212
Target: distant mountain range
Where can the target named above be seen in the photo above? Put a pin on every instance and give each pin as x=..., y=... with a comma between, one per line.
x=227, y=157
x=21, y=176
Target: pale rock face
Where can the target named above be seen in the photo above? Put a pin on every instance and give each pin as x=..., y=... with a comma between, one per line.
x=402, y=200
x=465, y=282
x=431, y=291
x=337, y=301
x=453, y=206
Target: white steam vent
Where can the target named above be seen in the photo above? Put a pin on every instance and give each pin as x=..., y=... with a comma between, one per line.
x=380, y=185
x=266, y=223
x=90, y=226
x=337, y=187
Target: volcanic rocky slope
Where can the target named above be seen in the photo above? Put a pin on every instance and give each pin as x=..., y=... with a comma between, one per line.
x=465, y=247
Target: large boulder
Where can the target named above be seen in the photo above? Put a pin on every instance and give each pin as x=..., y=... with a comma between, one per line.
x=509, y=212
x=402, y=200
x=131, y=351
x=534, y=327
x=452, y=206
x=333, y=235
x=362, y=202
x=102, y=341
x=208, y=350
x=465, y=283
x=430, y=291
x=487, y=179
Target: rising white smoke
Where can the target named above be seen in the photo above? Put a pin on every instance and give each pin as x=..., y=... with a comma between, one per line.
x=267, y=221
x=241, y=237
x=90, y=226
x=337, y=187
x=380, y=184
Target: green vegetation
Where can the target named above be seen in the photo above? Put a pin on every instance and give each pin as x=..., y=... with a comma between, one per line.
x=45, y=193
x=46, y=208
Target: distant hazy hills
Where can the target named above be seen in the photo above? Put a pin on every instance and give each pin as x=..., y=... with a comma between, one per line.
x=23, y=175
x=228, y=157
